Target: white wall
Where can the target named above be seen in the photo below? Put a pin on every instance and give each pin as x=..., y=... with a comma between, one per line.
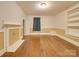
x=28, y=24
x=60, y=21
x=10, y=12
x=46, y=22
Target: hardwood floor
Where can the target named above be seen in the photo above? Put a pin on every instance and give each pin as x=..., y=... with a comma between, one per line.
x=44, y=46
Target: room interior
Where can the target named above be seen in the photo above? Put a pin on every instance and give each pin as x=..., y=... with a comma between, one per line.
x=39, y=28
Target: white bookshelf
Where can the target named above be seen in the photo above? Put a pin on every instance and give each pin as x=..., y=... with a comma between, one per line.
x=72, y=15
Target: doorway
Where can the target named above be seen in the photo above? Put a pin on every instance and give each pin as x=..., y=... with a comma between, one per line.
x=23, y=26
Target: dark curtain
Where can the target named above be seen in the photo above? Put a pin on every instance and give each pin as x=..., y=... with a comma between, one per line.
x=36, y=24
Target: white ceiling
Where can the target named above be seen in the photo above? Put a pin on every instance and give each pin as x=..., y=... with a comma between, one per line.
x=55, y=7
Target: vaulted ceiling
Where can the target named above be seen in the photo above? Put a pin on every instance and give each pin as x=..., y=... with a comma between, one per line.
x=55, y=7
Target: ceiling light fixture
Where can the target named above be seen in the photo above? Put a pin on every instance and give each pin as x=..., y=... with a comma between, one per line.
x=43, y=5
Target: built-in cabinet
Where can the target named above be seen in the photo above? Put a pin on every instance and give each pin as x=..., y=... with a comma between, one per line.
x=72, y=15
x=10, y=35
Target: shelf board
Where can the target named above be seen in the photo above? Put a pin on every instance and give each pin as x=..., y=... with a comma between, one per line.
x=73, y=36
x=73, y=10
x=74, y=21
x=74, y=16
x=77, y=18
x=76, y=13
x=74, y=27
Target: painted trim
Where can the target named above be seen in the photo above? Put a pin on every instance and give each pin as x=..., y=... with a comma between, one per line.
x=38, y=34
x=51, y=33
x=69, y=40
x=54, y=33
x=2, y=51
x=15, y=46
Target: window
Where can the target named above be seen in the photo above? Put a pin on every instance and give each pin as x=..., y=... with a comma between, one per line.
x=36, y=24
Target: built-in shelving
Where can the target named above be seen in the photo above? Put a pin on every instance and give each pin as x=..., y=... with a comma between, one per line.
x=73, y=10
x=73, y=20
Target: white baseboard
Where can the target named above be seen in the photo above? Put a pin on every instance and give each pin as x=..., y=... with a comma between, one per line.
x=69, y=40
x=15, y=46
x=2, y=52
x=54, y=33
x=40, y=34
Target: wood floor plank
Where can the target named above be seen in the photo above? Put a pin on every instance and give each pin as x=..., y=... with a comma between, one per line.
x=37, y=45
